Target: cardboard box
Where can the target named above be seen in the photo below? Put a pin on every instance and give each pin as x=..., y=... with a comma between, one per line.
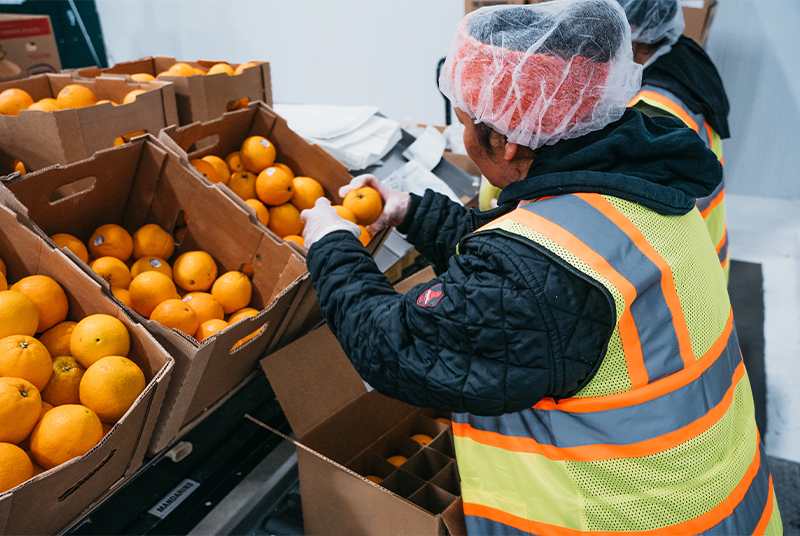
x=50, y=501
x=143, y=182
x=70, y=135
x=346, y=431
x=200, y=98
x=472, y=5
x=27, y=46
x=698, y=15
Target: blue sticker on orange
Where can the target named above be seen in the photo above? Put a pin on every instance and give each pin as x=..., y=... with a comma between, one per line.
x=431, y=297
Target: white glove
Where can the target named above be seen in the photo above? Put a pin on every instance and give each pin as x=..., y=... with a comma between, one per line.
x=395, y=203
x=323, y=219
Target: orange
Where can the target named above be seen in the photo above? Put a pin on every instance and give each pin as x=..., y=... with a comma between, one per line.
x=345, y=213
x=131, y=96
x=47, y=104
x=49, y=297
x=205, y=169
x=64, y=240
x=142, y=77
x=65, y=382
x=181, y=69
x=233, y=291
x=223, y=172
x=75, y=96
x=198, y=70
x=234, y=162
x=306, y=192
x=242, y=66
x=20, y=408
x=422, y=439
x=443, y=420
x=364, y=237
x=205, y=306
x=106, y=101
x=297, y=239
x=3, y=282
x=397, y=461
x=19, y=315
x=237, y=104
x=243, y=184
x=111, y=386
x=209, y=328
x=274, y=186
x=176, y=314
x=3, y=269
x=56, y=339
x=218, y=68
x=365, y=203
x=262, y=212
x=111, y=239
x=113, y=270
x=19, y=167
x=149, y=263
x=194, y=270
x=150, y=288
x=46, y=406
x=285, y=220
x=15, y=466
x=65, y=432
x=123, y=295
x=151, y=240
x=257, y=153
x=106, y=428
x=22, y=356
x=284, y=167
x=245, y=312
x=12, y=104
x=21, y=94
x=374, y=478
x=97, y=336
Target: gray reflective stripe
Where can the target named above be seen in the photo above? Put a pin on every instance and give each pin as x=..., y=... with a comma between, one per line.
x=620, y=426
x=723, y=251
x=652, y=316
x=698, y=118
x=703, y=202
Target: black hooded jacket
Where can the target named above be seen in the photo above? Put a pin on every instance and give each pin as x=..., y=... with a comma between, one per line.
x=512, y=325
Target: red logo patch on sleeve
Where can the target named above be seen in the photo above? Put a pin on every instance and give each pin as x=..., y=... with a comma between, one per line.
x=430, y=297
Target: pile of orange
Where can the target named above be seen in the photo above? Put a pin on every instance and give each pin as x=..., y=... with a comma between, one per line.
x=184, y=69
x=13, y=100
x=186, y=293
x=278, y=196
x=63, y=383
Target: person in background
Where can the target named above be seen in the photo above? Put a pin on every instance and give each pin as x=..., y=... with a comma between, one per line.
x=581, y=333
x=680, y=79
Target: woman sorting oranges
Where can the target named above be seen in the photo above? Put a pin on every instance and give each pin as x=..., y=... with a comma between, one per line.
x=581, y=333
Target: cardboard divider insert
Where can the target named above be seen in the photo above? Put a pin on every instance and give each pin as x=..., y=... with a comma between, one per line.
x=426, y=463
x=403, y=483
x=432, y=498
x=369, y=463
x=444, y=443
x=448, y=479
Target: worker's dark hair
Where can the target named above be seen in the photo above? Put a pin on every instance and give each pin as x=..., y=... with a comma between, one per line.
x=484, y=134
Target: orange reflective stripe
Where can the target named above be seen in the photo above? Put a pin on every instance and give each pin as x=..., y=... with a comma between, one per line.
x=648, y=392
x=671, y=105
x=692, y=526
x=767, y=515
x=724, y=263
x=722, y=240
x=710, y=135
x=667, y=282
x=592, y=453
x=627, y=327
x=719, y=198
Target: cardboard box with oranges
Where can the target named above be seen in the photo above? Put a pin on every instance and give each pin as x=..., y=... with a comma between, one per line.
x=65, y=136
x=144, y=182
x=200, y=98
x=52, y=500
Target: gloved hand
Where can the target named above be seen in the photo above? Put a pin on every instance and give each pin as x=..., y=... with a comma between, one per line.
x=323, y=219
x=395, y=204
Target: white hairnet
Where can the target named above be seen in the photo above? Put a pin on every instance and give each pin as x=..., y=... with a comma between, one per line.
x=654, y=20
x=543, y=72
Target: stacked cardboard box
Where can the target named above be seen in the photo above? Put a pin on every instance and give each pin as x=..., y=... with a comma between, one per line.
x=144, y=182
x=200, y=98
x=51, y=500
x=27, y=46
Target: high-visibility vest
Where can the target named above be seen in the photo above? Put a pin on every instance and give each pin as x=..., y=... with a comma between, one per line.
x=663, y=438
x=711, y=207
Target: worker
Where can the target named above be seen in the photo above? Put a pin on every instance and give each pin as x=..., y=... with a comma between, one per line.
x=680, y=79
x=581, y=333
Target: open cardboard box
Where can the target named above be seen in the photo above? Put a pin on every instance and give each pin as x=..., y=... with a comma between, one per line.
x=69, y=135
x=698, y=15
x=346, y=431
x=225, y=135
x=199, y=97
x=51, y=500
x=143, y=182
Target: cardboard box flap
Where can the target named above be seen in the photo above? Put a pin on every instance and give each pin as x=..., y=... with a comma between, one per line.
x=312, y=379
x=453, y=518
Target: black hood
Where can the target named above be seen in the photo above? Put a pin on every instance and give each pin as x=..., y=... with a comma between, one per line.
x=656, y=162
x=689, y=73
